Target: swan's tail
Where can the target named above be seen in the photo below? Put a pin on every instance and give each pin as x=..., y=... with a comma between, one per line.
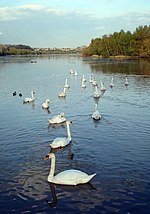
x=91, y=176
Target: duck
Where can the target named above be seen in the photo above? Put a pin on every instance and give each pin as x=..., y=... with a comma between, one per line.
x=96, y=93
x=66, y=84
x=58, y=119
x=62, y=94
x=111, y=83
x=28, y=99
x=46, y=104
x=126, y=82
x=60, y=142
x=96, y=115
x=103, y=88
x=20, y=94
x=66, y=177
x=14, y=93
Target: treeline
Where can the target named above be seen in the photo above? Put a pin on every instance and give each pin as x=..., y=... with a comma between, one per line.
x=15, y=50
x=121, y=44
x=27, y=50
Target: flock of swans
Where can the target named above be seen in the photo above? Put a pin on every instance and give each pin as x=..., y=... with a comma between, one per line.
x=72, y=176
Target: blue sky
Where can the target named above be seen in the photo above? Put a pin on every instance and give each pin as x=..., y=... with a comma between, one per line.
x=68, y=23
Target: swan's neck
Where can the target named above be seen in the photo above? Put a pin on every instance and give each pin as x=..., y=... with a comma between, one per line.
x=64, y=90
x=52, y=169
x=68, y=131
x=32, y=95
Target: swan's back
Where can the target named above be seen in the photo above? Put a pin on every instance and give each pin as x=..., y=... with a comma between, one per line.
x=60, y=142
x=71, y=177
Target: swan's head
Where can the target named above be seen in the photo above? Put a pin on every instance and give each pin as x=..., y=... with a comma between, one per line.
x=69, y=122
x=49, y=156
x=62, y=114
x=47, y=101
x=32, y=92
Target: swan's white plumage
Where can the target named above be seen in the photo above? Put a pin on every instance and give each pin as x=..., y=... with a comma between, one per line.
x=103, y=88
x=96, y=115
x=58, y=119
x=126, y=82
x=111, y=82
x=67, y=177
x=66, y=84
x=60, y=142
x=62, y=94
x=46, y=104
x=29, y=99
x=96, y=93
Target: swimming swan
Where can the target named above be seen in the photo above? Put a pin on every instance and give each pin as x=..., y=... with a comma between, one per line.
x=96, y=115
x=46, y=104
x=111, y=83
x=60, y=142
x=126, y=82
x=67, y=177
x=96, y=93
x=103, y=87
x=29, y=100
x=62, y=94
x=66, y=84
x=58, y=119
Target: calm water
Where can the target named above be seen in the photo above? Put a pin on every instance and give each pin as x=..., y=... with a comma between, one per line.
x=117, y=147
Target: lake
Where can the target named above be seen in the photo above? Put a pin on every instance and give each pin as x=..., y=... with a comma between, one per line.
x=116, y=148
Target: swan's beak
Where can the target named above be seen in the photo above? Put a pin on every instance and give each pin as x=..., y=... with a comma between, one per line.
x=46, y=157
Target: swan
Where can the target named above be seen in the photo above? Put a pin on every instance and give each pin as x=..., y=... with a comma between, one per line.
x=66, y=84
x=91, y=79
x=83, y=84
x=60, y=142
x=46, y=104
x=71, y=71
x=111, y=83
x=96, y=115
x=75, y=73
x=96, y=93
x=28, y=99
x=67, y=177
x=62, y=94
x=126, y=82
x=83, y=78
x=94, y=82
x=58, y=119
x=103, y=87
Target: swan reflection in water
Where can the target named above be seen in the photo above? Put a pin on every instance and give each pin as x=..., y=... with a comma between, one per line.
x=70, y=155
x=32, y=104
x=69, y=188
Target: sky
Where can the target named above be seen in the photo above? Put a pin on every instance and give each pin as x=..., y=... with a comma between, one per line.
x=68, y=23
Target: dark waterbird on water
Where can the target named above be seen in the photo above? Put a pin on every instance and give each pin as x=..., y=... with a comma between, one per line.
x=14, y=93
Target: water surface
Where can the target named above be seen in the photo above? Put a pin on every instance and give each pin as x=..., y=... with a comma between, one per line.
x=116, y=147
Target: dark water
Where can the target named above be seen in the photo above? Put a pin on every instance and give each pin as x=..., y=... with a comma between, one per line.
x=117, y=147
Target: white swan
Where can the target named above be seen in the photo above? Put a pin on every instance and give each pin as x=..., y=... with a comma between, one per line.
x=66, y=84
x=67, y=177
x=126, y=82
x=28, y=99
x=75, y=73
x=83, y=84
x=71, y=71
x=60, y=142
x=96, y=115
x=103, y=86
x=96, y=93
x=83, y=78
x=62, y=94
x=58, y=119
x=46, y=104
x=111, y=83
x=94, y=82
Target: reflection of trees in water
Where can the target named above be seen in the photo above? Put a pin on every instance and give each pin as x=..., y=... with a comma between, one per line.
x=138, y=67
